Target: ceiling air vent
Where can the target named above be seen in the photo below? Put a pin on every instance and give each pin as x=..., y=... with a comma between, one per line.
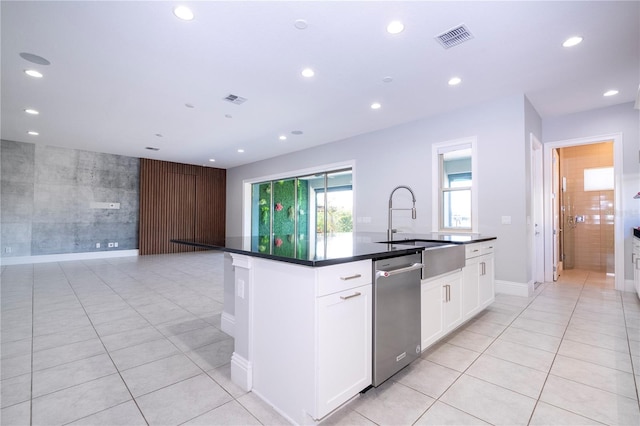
x=235, y=99
x=454, y=36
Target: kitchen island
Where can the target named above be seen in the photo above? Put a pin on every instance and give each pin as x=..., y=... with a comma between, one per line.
x=303, y=325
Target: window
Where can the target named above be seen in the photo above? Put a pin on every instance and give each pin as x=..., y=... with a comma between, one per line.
x=300, y=216
x=455, y=205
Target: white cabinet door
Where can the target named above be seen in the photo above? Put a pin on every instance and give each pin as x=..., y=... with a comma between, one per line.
x=344, y=346
x=635, y=257
x=471, y=287
x=487, y=282
x=431, y=301
x=452, y=286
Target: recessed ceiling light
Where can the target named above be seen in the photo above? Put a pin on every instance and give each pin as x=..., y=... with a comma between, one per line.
x=308, y=72
x=300, y=24
x=32, y=111
x=296, y=132
x=241, y=150
x=395, y=27
x=189, y=105
x=282, y=138
x=152, y=148
x=387, y=79
x=611, y=92
x=33, y=73
x=212, y=159
x=454, y=81
x=376, y=105
x=159, y=135
x=34, y=58
x=183, y=12
x=33, y=133
x=572, y=41
x=228, y=116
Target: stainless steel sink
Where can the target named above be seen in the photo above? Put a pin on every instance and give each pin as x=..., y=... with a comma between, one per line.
x=437, y=257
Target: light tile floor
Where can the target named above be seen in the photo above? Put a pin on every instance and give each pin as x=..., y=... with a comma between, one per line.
x=131, y=341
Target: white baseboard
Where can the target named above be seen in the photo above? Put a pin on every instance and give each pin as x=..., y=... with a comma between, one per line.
x=241, y=372
x=23, y=260
x=228, y=323
x=514, y=289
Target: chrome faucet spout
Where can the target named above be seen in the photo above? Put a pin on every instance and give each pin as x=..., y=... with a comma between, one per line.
x=390, y=230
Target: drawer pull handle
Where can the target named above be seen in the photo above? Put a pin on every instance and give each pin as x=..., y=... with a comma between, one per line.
x=351, y=277
x=356, y=294
x=476, y=250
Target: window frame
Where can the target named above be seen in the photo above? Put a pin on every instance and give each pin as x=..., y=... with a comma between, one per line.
x=437, y=183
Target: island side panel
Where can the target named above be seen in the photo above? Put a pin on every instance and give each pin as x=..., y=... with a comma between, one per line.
x=283, y=344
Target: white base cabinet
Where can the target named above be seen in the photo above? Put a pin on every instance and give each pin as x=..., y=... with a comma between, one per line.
x=451, y=299
x=309, y=335
x=441, y=306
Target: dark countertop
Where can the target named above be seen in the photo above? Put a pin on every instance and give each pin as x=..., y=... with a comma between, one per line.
x=338, y=249
x=636, y=232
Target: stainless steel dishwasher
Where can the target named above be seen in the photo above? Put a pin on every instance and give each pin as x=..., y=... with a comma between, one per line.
x=396, y=314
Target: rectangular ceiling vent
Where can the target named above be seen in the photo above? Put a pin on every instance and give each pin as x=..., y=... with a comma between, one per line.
x=454, y=36
x=235, y=99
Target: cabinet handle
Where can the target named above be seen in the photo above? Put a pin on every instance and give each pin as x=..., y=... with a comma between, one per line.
x=484, y=268
x=637, y=266
x=351, y=277
x=356, y=294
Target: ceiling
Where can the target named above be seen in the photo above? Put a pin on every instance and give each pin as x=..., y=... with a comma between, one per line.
x=122, y=72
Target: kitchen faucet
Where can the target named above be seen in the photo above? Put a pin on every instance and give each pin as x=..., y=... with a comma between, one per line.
x=390, y=230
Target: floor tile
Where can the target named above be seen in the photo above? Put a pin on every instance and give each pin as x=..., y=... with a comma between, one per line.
x=392, y=403
x=485, y=328
x=222, y=376
x=531, y=339
x=427, y=377
x=213, y=355
x=489, y=402
x=15, y=348
x=545, y=415
x=597, y=376
x=79, y=401
x=197, y=338
x=346, y=417
x=157, y=374
x=451, y=356
x=550, y=329
x=143, y=353
x=596, y=339
x=596, y=355
x=113, y=342
x=67, y=353
x=590, y=402
x=182, y=401
x=442, y=414
x=515, y=377
x=71, y=374
x=74, y=335
x=118, y=326
x=553, y=318
x=16, y=415
x=15, y=366
x=181, y=325
x=231, y=413
x=523, y=355
x=470, y=340
x=15, y=390
x=125, y=414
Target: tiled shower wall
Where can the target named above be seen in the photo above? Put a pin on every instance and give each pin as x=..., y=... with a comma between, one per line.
x=588, y=245
x=47, y=194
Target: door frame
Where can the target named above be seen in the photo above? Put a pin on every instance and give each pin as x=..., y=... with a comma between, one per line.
x=618, y=219
x=537, y=209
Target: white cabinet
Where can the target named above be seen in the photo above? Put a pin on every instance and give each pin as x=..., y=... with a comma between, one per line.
x=450, y=299
x=309, y=340
x=344, y=346
x=478, y=278
x=441, y=306
x=635, y=258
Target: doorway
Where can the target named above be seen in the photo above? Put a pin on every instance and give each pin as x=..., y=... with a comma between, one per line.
x=584, y=200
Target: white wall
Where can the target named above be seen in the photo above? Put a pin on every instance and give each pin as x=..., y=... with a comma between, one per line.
x=615, y=119
x=401, y=155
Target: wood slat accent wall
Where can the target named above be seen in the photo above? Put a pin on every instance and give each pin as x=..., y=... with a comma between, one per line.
x=180, y=201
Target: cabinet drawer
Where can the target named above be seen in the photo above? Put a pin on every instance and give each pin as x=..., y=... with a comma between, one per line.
x=334, y=278
x=478, y=249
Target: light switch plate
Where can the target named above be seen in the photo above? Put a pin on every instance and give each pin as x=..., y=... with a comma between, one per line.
x=506, y=220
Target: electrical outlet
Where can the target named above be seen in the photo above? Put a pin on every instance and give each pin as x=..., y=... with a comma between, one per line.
x=115, y=244
x=110, y=245
x=97, y=245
